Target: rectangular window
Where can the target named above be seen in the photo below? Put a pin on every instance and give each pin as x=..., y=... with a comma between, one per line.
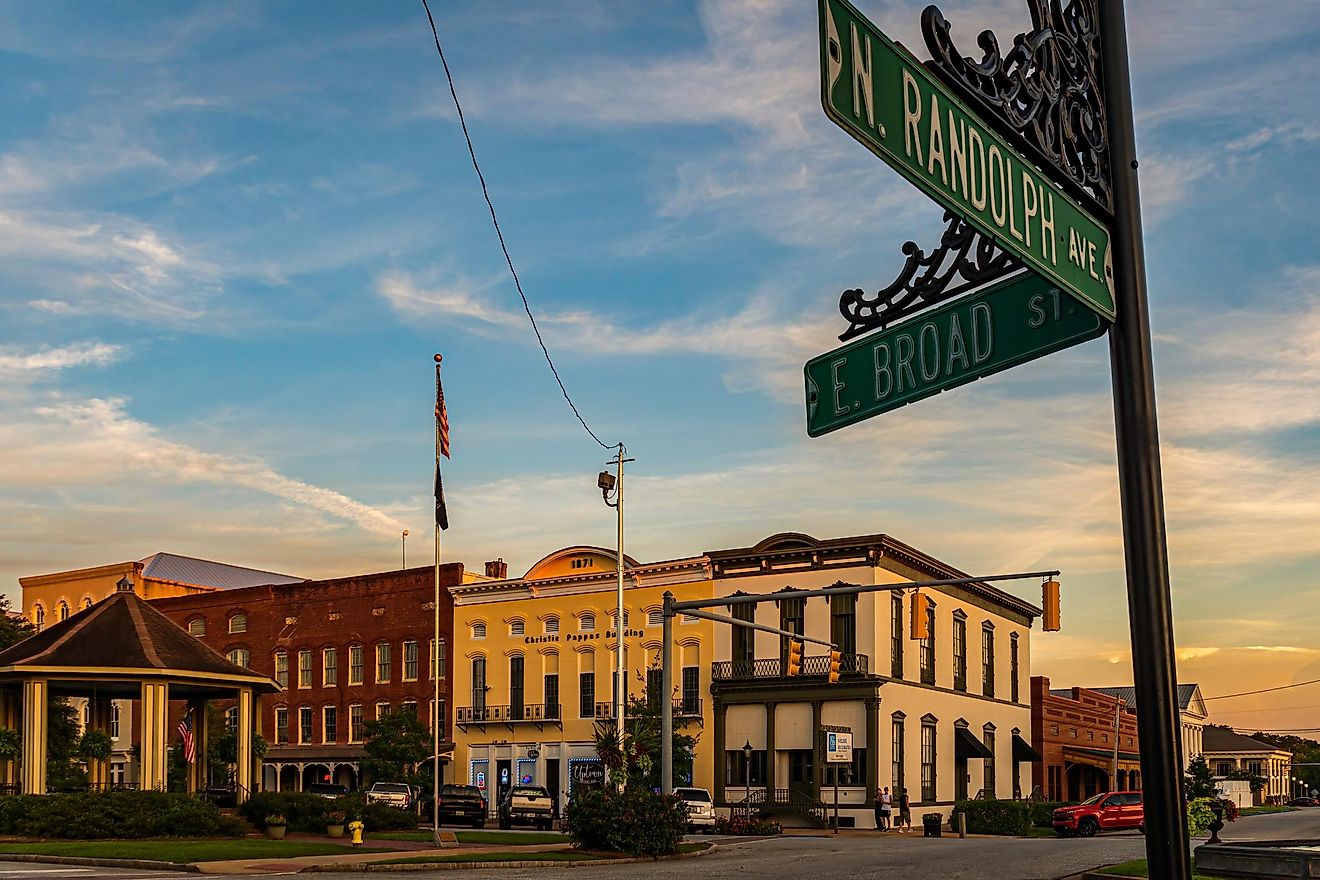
x=479, y=688
x=654, y=688
x=792, y=617
x=282, y=669
x=691, y=690
x=988, y=764
x=896, y=637
x=744, y=642
x=516, y=687
x=114, y=721
x=843, y=623
x=851, y=774
x=926, y=648
x=959, y=653
x=988, y=660
x=439, y=716
x=587, y=695
x=439, y=658
x=410, y=661
x=355, y=664
x=356, y=727
x=898, y=779
x=329, y=667
x=740, y=770
x=329, y=724
x=551, y=691
x=409, y=708
x=305, y=668
x=281, y=725
x=928, y=762
x=383, y=662
x=304, y=725
x=1013, y=669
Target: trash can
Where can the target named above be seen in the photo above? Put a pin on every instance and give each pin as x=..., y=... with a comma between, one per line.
x=930, y=824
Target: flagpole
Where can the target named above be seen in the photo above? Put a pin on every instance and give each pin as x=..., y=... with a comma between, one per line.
x=435, y=646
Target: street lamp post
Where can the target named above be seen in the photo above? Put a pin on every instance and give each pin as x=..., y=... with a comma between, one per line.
x=747, y=764
x=404, y=538
x=613, y=483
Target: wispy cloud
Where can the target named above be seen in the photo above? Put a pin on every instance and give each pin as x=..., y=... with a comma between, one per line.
x=79, y=354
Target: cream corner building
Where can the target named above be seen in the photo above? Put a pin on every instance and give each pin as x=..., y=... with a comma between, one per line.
x=535, y=658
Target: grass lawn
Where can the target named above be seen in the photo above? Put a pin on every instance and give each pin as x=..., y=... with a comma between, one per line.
x=1268, y=808
x=182, y=851
x=1035, y=831
x=1137, y=868
x=482, y=838
x=516, y=856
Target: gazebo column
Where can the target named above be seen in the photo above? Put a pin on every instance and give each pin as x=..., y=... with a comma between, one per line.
x=35, y=693
x=9, y=720
x=197, y=780
x=99, y=711
x=243, y=766
x=155, y=702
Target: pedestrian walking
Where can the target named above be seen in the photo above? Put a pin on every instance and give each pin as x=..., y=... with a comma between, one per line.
x=904, y=812
x=886, y=809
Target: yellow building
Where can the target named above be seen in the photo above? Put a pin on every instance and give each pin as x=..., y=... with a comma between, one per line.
x=534, y=666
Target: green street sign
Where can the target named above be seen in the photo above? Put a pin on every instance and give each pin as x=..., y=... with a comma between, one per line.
x=1006, y=324
x=880, y=94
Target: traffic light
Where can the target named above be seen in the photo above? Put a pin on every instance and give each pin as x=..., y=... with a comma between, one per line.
x=836, y=659
x=794, y=666
x=920, y=628
x=1049, y=600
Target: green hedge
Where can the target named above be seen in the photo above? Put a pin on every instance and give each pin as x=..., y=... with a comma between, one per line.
x=1004, y=817
x=637, y=821
x=308, y=812
x=115, y=814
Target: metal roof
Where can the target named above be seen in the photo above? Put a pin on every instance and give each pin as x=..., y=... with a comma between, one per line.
x=1129, y=694
x=1218, y=739
x=204, y=573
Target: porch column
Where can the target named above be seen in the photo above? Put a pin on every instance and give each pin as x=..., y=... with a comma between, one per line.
x=99, y=711
x=770, y=749
x=155, y=702
x=35, y=693
x=817, y=749
x=197, y=780
x=243, y=766
x=10, y=720
x=872, y=750
x=721, y=717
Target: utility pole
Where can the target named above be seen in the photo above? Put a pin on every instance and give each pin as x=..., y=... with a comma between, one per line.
x=608, y=483
x=1113, y=773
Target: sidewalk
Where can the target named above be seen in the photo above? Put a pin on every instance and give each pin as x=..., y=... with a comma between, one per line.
x=399, y=849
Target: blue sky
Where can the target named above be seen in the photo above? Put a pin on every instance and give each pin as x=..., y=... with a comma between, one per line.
x=232, y=236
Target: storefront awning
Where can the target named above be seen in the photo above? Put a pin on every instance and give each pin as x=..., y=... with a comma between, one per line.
x=966, y=745
x=1023, y=753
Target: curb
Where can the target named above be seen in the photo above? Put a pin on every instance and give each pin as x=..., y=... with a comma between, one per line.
x=138, y=864
x=340, y=868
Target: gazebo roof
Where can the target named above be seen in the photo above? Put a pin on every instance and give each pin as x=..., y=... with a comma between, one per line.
x=124, y=634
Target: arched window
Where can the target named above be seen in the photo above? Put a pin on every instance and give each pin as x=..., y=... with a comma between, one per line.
x=39, y=616
x=516, y=627
x=64, y=610
x=238, y=623
x=197, y=627
x=239, y=657
x=87, y=602
x=587, y=622
x=479, y=630
x=551, y=626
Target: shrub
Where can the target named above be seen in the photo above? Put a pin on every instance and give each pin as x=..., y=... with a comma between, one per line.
x=308, y=812
x=755, y=825
x=994, y=817
x=1042, y=812
x=1199, y=816
x=637, y=821
x=120, y=814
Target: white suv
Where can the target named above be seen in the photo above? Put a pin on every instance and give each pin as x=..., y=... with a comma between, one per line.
x=701, y=811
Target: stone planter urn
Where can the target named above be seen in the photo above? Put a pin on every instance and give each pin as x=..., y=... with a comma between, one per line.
x=334, y=830
x=275, y=832
x=1217, y=824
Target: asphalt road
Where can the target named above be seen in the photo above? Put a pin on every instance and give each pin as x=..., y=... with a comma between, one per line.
x=808, y=858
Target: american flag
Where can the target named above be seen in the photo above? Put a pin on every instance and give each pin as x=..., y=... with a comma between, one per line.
x=189, y=744
x=441, y=415
x=441, y=448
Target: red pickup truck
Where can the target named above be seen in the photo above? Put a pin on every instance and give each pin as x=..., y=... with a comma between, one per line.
x=1111, y=811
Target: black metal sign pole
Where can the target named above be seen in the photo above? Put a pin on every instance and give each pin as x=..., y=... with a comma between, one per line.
x=1140, y=484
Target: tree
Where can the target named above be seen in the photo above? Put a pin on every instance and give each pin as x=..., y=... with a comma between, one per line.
x=1199, y=781
x=62, y=737
x=396, y=743
x=12, y=629
x=638, y=759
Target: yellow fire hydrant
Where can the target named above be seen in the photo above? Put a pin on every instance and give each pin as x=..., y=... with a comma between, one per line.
x=356, y=828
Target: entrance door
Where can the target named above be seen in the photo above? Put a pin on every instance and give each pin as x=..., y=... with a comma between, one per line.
x=960, y=779
x=503, y=780
x=801, y=772
x=552, y=782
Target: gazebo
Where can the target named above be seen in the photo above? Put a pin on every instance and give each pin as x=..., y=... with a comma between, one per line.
x=123, y=649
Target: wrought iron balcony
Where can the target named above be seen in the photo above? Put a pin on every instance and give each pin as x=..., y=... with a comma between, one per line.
x=690, y=708
x=533, y=712
x=818, y=666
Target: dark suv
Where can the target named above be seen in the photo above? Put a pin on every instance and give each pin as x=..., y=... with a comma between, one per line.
x=461, y=805
x=1111, y=811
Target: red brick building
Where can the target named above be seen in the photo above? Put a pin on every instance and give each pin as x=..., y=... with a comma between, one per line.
x=343, y=650
x=1080, y=735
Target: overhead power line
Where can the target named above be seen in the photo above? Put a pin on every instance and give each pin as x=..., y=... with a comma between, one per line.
x=1282, y=687
x=500, y=234
x=1265, y=709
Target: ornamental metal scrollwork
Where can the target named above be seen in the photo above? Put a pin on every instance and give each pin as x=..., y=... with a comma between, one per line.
x=1046, y=88
x=963, y=259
